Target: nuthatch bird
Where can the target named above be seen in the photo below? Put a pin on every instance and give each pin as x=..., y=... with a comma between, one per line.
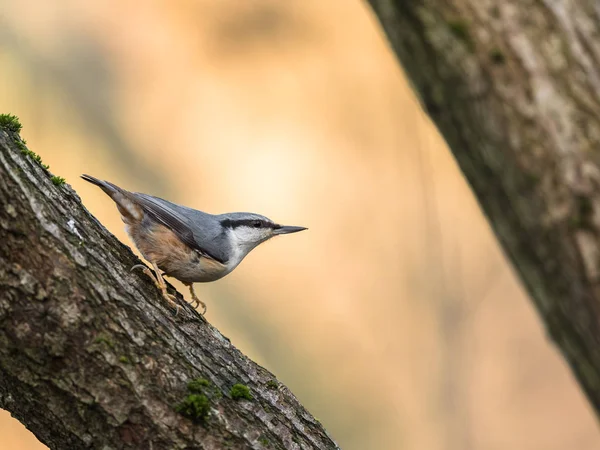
x=189, y=245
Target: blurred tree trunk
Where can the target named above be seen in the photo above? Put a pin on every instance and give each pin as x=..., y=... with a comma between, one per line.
x=514, y=88
x=90, y=356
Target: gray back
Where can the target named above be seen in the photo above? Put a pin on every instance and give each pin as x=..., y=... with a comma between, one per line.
x=199, y=230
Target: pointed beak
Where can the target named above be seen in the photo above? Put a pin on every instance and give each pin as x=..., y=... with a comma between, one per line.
x=283, y=229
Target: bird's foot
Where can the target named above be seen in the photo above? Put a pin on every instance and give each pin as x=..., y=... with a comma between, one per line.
x=144, y=269
x=160, y=284
x=196, y=301
x=171, y=300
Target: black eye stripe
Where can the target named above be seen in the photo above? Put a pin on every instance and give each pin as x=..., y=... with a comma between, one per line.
x=252, y=223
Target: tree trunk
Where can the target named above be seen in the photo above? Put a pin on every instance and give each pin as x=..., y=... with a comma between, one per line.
x=91, y=356
x=514, y=88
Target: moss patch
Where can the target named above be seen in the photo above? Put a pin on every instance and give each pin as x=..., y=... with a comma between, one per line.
x=197, y=386
x=10, y=122
x=460, y=30
x=37, y=158
x=195, y=407
x=25, y=151
x=240, y=391
x=104, y=339
x=124, y=359
x=57, y=181
x=272, y=384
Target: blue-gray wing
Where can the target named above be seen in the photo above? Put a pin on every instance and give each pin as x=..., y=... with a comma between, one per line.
x=170, y=215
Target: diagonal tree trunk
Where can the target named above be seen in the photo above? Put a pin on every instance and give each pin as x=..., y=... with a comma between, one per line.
x=90, y=356
x=514, y=88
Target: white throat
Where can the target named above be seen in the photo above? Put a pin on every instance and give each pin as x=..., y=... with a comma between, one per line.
x=239, y=249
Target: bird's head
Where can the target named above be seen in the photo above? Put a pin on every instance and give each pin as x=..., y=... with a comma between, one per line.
x=248, y=230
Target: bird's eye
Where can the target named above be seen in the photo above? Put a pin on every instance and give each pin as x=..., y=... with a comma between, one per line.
x=257, y=224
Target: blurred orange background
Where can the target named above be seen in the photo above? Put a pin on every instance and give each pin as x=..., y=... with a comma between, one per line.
x=395, y=319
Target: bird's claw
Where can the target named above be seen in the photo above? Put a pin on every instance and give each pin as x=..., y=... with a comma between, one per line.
x=196, y=301
x=171, y=301
x=138, y=266
x=160, y=284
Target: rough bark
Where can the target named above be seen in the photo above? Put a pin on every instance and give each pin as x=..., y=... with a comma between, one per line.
x=514, y=88
x=91, y=357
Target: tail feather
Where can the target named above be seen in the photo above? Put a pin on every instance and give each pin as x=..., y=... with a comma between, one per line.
x=131, y=211
x=107, y=187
